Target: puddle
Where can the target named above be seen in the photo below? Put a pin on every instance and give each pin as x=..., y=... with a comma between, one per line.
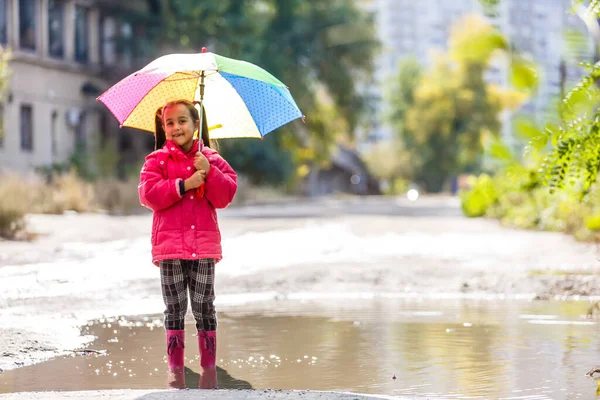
x=450, y=349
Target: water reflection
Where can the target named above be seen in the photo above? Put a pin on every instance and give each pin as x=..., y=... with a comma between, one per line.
x=453, y=349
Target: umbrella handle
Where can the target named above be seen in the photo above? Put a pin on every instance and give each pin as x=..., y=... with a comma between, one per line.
x=200, y=191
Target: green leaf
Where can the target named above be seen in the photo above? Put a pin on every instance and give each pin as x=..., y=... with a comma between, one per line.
x=526, y=129
x=576, y=44
x=523, y=74
x=499, y=151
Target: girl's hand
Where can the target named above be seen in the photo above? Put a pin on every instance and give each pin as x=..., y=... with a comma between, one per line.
x=201, y=163
x=195, y=180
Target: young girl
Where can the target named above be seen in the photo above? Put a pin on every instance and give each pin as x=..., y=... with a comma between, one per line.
x=183, y=181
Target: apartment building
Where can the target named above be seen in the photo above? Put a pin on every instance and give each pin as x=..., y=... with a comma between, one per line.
x=64, y=54
x=536, y=28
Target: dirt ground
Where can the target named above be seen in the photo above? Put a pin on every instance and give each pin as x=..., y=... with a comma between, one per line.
x=85, y=267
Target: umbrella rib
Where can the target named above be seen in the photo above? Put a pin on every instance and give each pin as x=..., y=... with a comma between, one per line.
x=195, y=74
x=188, y=76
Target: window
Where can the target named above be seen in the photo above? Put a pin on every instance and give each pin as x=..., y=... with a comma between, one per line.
x=3, y=21
x=108, y=31
x=26, y=128
x=126, y=51
x=28, y=24
x=81, y=34
x=56, y=28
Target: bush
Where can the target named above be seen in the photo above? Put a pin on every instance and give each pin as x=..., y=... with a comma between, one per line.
x=476, y=201
x=37, y=194
x=14, y=202
x=65, y=192
x=248, y=193
x=593, y=222
x=57, y=193
x=117, y=197
x=517, y=199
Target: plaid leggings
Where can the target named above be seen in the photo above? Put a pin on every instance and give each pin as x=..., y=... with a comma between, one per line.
x=176, y=277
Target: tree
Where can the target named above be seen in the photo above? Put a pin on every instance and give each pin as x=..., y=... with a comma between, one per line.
x=401, y=95
x=574, y=156
x=390, y=163
x=314, y=47
x=454, y=108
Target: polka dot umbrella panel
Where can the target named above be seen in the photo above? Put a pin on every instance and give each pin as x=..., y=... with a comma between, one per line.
x=240, y=98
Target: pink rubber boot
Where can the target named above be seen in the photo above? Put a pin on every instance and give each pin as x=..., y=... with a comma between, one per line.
x=207, y=342
x=175, y=346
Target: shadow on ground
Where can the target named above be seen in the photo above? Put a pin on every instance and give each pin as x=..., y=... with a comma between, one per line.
x=192, y=380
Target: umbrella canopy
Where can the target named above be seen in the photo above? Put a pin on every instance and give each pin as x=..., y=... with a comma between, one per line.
x=240, y=98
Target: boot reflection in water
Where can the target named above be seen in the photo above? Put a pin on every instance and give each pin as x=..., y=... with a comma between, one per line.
x=176, y=378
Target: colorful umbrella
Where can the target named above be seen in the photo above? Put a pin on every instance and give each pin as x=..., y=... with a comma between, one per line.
x=240, y=98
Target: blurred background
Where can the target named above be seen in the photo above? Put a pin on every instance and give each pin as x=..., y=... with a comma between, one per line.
x=352, y=265
x=470, y=97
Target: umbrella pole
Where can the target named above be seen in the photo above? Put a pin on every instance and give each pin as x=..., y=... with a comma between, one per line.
x=201, y=105
x=200, y=190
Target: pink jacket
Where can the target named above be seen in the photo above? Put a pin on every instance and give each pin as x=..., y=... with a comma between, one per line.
x=185, y=227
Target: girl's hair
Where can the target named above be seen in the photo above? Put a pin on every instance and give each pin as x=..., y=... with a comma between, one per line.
x=159, y=130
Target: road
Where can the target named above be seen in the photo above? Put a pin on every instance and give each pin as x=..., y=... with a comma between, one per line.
x=83, y=267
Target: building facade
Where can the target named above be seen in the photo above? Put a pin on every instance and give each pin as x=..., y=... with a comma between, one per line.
x=64, y=53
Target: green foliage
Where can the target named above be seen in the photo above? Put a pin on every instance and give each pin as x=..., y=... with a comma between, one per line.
x=522, y=202
x=101, y=161
x=400, y=95
x=444, y=115
x=391, y=164
x=262, y=161
x=574, y=156
x=80, y=161
x=563, y=156
x=489, y=6
x=319, y=49
x=107, y=159
x=521, y=199
x=575, y=151
x=593, y=222
x=475, y=202
x=499, y=152
x=523, y=75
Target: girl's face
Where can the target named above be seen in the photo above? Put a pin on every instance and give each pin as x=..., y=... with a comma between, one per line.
x=179, y=125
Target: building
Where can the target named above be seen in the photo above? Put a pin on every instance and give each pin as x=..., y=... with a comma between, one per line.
x=537, y=29
x=64, y=54
x=409, y=28
x=347, y=173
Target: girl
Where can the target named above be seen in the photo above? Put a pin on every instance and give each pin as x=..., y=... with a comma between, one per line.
x=183, y=181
